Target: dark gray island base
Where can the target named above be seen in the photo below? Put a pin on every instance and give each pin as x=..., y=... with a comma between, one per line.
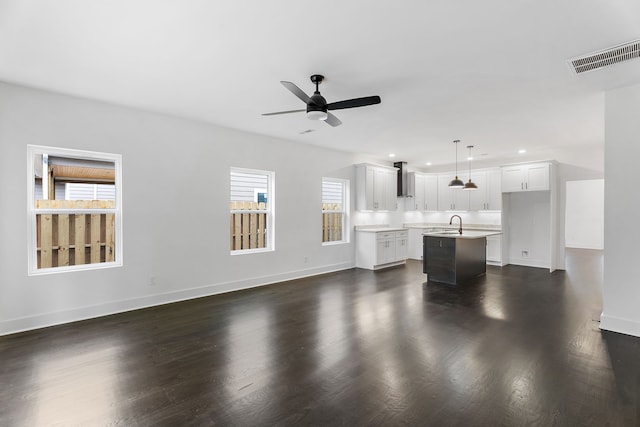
x=452, y=260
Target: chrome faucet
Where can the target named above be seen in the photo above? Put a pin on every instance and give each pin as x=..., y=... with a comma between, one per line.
x=451, y=222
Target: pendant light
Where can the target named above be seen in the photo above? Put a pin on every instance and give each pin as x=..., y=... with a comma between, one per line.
x=456, y=182
x=470, y=185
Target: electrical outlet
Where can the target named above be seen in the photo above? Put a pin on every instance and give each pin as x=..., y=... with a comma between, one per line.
x=525, y=254
x=152, y=280
x=306, y=259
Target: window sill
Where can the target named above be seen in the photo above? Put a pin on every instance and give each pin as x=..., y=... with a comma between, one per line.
x=72, y=268
x=250, y=251
x=339, y=242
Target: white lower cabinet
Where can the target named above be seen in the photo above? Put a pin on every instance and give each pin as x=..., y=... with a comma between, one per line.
x=402, y=245
x=415, y=243
x=494, y=250
x=379, y=249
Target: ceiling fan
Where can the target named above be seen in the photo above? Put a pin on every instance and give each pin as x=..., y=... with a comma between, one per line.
x=317, y=107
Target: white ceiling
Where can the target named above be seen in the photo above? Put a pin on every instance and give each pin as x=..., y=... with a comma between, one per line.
x=491, y=73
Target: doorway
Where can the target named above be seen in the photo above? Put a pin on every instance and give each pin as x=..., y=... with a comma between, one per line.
x=584, y=214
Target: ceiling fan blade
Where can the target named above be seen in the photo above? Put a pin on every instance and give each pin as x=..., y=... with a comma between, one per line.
x=356, y=102
x=296, y=91
x=332, y=120
x=283, y=112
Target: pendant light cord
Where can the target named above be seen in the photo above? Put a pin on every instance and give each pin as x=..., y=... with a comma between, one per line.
x=456, y=142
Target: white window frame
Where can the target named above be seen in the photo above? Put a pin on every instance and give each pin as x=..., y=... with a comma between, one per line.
x=344, y=211
x=35, y=150
x=270, y=221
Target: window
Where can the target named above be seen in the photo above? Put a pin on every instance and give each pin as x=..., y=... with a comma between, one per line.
x=334, y=210
x=75, y=210
x=251, y=207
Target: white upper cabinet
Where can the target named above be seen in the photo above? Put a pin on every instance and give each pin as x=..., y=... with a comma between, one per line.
x=525, y=177
x=376, y=187
x=423, y=192
x=488, y=196
x=430, y=193
x=451, y=199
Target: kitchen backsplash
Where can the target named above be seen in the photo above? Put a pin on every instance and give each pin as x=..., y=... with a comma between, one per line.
x=399, y=218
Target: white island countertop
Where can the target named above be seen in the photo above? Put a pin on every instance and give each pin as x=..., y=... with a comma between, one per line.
x=466, y=234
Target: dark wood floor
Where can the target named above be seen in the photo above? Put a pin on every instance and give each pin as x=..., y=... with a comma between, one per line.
x=518, y=347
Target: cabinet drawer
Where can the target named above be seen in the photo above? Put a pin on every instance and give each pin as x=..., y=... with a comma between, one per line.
x=402, y=234
x=439, y=242
x=386, y=235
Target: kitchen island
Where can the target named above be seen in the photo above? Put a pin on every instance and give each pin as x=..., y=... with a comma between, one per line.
x=452, y=257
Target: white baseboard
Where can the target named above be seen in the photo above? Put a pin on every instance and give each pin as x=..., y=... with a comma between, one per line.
x=22, y=324
x=623, y=326
x=529, y=262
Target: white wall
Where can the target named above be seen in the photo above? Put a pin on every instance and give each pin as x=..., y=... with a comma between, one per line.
x=584, y=214
x=172, y=232
x=621, y=292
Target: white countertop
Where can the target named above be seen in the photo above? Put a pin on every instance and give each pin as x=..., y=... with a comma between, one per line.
x=380, y=229
x=466, y=234
x=447, y=226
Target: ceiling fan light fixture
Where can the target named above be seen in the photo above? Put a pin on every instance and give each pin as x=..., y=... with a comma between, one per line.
x=317, y=106
x=317, y=115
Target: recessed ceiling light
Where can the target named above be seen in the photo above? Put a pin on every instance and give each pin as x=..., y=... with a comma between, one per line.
x=392, y=155
x=428, y=163
x=522, y=151
x=469, y=158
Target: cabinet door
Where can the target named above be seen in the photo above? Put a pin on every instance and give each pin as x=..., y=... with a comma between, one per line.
x=390, y=254
x=445, y=194
x=460, y=199
x=382, y=251
x=402, y=245
x=494, y=190
x=537, y=177
x=391, y=190
x=478, y=198
x=365, y=187
x=379, y=188
x=494, y=249
x=430, y=193
x=512, y=179
x=385, y=247
x=418, y=196
x=414, y=243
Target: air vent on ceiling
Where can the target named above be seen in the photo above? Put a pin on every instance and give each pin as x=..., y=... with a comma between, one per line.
x=605, y=57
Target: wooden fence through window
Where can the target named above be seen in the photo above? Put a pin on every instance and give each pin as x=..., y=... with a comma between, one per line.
x=331, y=222
x=64, y=239
x=248, y=225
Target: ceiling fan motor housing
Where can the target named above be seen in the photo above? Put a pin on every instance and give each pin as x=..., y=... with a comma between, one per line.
x=317, y=103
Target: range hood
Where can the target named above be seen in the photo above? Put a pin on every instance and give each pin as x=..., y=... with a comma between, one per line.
x=402, y=178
